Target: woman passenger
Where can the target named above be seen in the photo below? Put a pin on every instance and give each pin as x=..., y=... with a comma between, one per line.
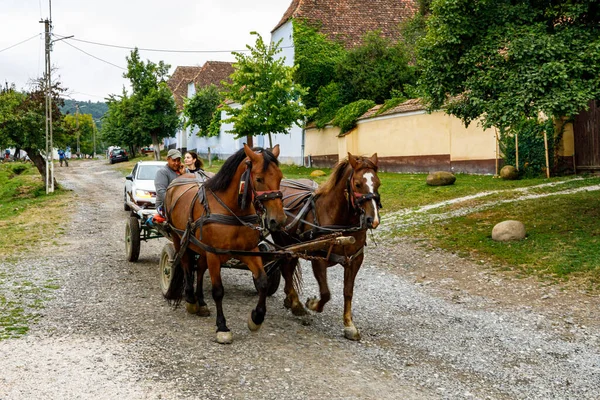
x=192, y=163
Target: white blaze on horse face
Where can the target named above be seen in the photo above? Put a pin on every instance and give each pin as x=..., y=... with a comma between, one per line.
x=369, y=178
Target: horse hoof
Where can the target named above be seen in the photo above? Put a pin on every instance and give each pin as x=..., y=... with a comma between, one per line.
x=252, y=326
x=312, y=304
x=299, y=310
x=224, y=337
x=351, y=333
x=192, y=308
x=287, y=303
x=203, y=311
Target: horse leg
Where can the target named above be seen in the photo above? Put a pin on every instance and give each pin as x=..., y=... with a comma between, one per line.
x=191, y=304
x=288, y=268
x=260, y=279
x=201, y=267
x=320, y=272
x=350, y=271
x=224, y=335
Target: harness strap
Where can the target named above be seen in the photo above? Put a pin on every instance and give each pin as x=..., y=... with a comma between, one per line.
x=301, y=213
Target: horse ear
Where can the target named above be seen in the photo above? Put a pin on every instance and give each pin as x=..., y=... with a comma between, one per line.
x=374, y=159
x=250, y=154
x=352, y=160
x=275, y=151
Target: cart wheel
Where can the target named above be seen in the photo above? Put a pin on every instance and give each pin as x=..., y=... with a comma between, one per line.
x=132, y=239
x=125, y=206
x=165, y=267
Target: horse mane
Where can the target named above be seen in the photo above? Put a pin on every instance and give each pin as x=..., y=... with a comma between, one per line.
x=339, y=170
x=222, y=179
x=338, y=174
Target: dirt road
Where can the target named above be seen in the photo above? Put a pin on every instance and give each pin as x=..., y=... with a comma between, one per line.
x=433, y=326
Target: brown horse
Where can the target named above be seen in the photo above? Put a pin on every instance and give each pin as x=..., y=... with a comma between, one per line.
x=347, y=202
x=220, y=219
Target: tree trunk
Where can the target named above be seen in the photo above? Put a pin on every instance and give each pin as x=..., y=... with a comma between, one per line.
x=270, y=141
x=156, y=146
x=250, y=141
x=40, y=163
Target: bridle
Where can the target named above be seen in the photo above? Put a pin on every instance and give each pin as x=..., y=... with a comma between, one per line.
x=357, y=199
x=257, y=197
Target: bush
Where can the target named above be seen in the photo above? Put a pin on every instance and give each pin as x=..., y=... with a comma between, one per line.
x=346, y=116
x=532, y=155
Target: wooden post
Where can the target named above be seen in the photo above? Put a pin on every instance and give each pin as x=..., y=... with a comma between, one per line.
x=546, y=149
x=517, y=150
x=209, y=159
x=497, y=151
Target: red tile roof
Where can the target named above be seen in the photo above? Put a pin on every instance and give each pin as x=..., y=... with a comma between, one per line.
x=407, y=106
x=212, y=72
x=350, y=20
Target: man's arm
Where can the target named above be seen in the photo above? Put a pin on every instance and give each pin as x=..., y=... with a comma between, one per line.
x=161, y=181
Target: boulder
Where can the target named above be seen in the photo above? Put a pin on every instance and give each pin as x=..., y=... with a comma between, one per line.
x=508, y=230
x=440, y=178
x=509, y=172
x=317, y=172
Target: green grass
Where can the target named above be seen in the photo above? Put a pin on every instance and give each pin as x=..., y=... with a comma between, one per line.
x=563, y=237
x=28, y=219
x=399, y=191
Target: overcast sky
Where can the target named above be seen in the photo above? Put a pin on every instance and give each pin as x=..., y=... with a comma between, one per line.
x=215, y=27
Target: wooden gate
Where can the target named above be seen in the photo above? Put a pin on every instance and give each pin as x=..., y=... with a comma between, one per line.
x=586, y=130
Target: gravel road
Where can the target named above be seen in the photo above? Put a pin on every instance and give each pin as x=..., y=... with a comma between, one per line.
x=434, y=326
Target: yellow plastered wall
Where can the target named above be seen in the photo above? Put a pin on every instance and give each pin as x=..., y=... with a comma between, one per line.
x=472, y=143
x=321, y=142
x=409, y=134
x=567, y=143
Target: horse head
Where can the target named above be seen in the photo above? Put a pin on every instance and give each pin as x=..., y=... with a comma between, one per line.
x=265, y=178
x=364, y=188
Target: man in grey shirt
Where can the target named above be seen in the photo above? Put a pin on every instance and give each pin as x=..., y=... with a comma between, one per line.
x=165, y=176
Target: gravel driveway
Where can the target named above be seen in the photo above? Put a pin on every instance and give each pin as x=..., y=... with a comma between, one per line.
x=434, y=326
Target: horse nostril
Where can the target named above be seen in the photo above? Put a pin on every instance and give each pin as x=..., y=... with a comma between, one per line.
x=370, y=220
x=273, y=224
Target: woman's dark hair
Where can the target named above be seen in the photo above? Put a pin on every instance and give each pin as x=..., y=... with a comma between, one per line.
x=197, y=161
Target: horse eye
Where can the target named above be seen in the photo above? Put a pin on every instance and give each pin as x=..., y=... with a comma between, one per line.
x=260, y=180
x=358, y=184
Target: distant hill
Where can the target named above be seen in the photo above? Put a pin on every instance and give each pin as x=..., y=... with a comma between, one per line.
x=97, y=109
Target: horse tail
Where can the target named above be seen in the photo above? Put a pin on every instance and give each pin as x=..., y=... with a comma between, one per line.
x=297, y=281
x=174, y=293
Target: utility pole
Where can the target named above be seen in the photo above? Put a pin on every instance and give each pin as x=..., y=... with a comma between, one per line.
x=77, y=123
x=49, y=147
x=94, y=131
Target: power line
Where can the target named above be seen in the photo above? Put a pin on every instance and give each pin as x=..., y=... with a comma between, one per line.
x=26, y=40
x=93, y=56
x=162, y=50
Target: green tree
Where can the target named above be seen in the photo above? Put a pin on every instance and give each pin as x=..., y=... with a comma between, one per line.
x=316, y=57
x=148, y=114
x=154, y=108
x=201, y=109
x=505, y=61
x=118, y=123
x=263, y=86
x=23, y=121
x=80, y=129
x=374, y=69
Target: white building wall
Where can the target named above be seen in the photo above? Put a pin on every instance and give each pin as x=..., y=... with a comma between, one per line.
x=291, y=144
